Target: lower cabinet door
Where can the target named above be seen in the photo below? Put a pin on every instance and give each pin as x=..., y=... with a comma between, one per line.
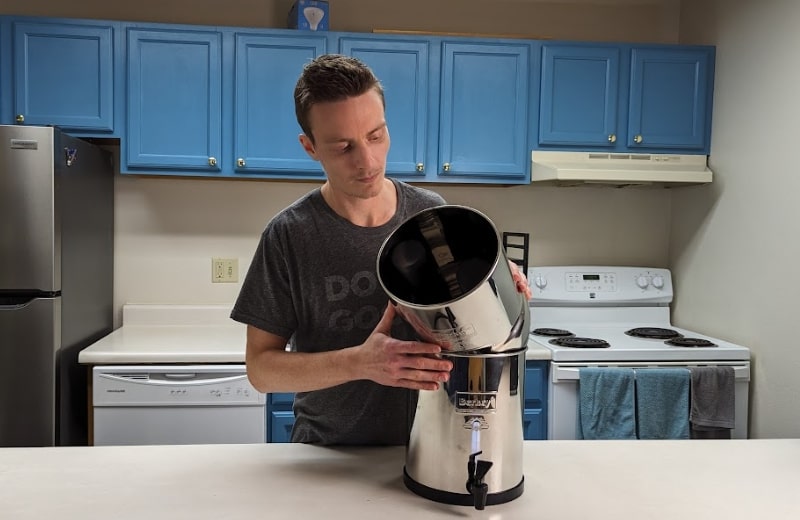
x=280, y=427
x=533, y=425
x=534, y=419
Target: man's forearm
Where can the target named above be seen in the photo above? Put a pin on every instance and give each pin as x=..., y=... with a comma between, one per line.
x=282, y=371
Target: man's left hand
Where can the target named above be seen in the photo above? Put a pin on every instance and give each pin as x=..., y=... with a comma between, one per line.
x=520, y=280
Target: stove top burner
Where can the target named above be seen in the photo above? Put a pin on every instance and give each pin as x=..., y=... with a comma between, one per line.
x=690, y=342
x=653, y=332
x=576, y=342
x=552, y=332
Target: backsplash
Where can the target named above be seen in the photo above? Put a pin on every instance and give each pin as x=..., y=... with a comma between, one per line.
x=167, y=230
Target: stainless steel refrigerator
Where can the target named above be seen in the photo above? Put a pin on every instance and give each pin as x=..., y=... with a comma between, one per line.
x=56, y=280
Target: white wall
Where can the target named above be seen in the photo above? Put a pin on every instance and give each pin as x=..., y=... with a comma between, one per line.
x=167, y=230
x=735, y=246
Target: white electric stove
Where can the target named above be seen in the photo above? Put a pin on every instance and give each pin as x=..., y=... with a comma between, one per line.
x=617, y=316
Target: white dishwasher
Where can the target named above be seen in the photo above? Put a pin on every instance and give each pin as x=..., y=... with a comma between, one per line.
x=176, y=404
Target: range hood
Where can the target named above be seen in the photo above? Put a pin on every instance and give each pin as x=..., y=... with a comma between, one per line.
x=618, y=169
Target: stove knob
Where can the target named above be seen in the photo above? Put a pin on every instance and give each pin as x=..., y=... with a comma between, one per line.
x=658, y=282
x=642, y=282
x=540, y=281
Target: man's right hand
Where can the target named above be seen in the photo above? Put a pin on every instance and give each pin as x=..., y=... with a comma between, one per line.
x=408, y=364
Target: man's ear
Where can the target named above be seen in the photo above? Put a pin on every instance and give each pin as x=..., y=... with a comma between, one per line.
x=308, y=146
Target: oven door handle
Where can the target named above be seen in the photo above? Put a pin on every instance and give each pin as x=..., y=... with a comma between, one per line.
x=572, y=373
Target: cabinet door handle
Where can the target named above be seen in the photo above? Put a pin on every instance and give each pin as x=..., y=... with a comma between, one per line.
x=20, y=118
x=446, y=167
x=212, y=161
x=637, y=139
x=240, y=163
x=420, y=167
x=612, y=138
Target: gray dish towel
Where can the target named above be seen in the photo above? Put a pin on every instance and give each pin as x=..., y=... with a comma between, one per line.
x=606, y=403
x=662, y=403
x=712, y=413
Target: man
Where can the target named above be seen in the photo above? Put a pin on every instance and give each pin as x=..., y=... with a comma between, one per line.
x=354, y=367
x=313, y=277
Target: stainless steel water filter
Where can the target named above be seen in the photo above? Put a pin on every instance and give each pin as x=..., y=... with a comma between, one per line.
x=466, y=441
x=447, y=275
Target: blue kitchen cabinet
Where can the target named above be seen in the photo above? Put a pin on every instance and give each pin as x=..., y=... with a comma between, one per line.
x=280, y=417
x=5, y=70
x=534, y=420
x=62, y=73
x=670, y=98
x=483, y=112
x=266, y=129
x=625, y=98
x=174, y=103
x=580, y=89
x=401, y=65
x=457, y=110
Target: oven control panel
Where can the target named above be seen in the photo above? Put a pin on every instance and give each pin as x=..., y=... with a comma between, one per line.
x=597, y=282
x=607, y=284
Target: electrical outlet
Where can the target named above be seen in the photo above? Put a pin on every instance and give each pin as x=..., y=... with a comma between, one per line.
x=224, y=270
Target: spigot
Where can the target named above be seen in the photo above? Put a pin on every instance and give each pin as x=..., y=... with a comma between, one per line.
x=476, y=487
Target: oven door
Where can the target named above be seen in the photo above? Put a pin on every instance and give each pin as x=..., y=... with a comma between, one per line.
x=562, y=415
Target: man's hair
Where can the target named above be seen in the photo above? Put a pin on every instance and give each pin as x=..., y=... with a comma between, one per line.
x=328, y=78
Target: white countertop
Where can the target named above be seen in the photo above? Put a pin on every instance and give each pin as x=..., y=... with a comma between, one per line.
x=537, y=352
x=168, y=344
x=171, y=334
x=184, y=334
x=564, y=480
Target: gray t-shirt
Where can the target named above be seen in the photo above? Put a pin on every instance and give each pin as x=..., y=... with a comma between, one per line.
x=313, y=279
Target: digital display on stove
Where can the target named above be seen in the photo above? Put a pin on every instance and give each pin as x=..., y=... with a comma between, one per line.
x=591, y=282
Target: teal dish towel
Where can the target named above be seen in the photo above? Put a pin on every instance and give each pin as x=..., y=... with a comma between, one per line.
x=662, y=403
x=606, y=403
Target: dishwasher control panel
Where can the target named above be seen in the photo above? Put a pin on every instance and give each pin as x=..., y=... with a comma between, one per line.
x=166, y=385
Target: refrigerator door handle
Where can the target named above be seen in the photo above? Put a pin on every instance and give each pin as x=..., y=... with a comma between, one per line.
x=12, y=303
x=20, y=300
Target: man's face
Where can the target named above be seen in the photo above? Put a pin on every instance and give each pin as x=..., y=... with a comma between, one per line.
x=351, y=141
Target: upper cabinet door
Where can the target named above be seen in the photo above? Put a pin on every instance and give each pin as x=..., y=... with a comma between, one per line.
x=267, y=68
x=64, y=75
x=670, y=98
x=483, y=110
x=580, y=89
x=174, y=99
x=402, y=68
